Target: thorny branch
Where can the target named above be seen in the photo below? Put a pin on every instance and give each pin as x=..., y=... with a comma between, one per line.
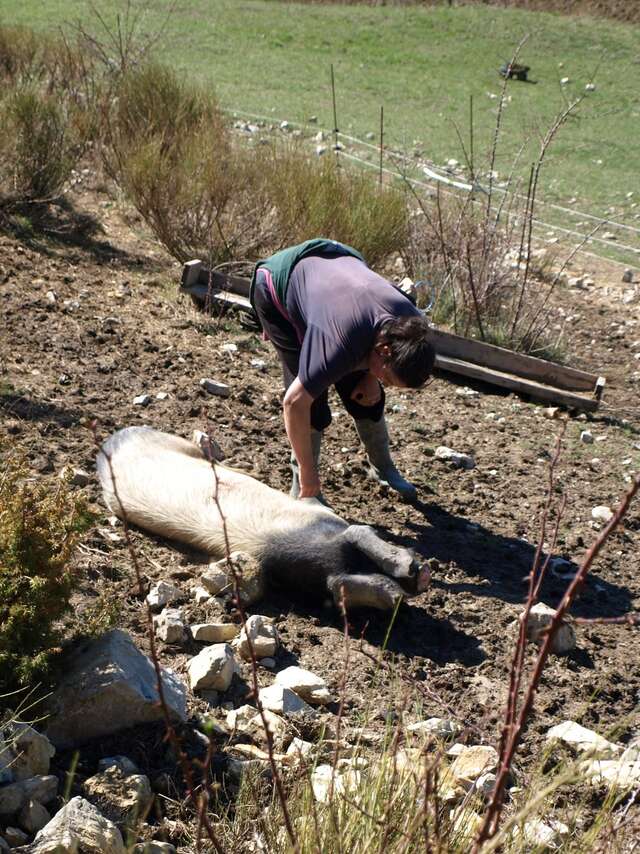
x=199, y=798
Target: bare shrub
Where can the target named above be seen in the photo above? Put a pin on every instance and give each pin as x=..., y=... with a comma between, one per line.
x=43, y=138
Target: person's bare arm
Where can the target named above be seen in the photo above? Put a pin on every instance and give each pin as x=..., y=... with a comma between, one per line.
x=297, y=421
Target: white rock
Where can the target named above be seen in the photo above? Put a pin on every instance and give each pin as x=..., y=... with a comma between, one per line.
x=259, y=364
x=344, y=781
x=79, y=827
x=263, y=636
x=214, y=387
x=590, y=87
x=169, y=626
x=301, y=749
x=602, y=513
x=540, y=618
x=452, y=163
x=31, y=751
x=214, y=632
x=281, y=700
x=313, y=689
x=51, y=297
x=370, y=135
x=459, y=461
x=586, y=437
x=564, y=81
x=240, y=718
x=109, y=685
x=162, y=395
x=613, y=772
x=229, y=348
x=440, y=727
x=75, y=476
x=485, y=784
x=163, y=593
x=320, y=150
x=456, y=749
x=319, y=137
x=33, y=817
x=275, y=725
x=142, y=400
x=542, y=834
x=123, y=799
x=583, y=740
x=213, y=667
x=201, y=595
x=472, y=763
x=215, y=580
x=248, y=575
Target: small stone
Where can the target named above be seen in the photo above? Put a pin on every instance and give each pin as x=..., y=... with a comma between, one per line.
x=154, y=847
x=602, y=513
x=583, y=740
x=370, y=135
x=162, y=395
x=201, y=595
x=170, y=627
x=627, y=276
x=259, y=365
x=215, y=579
x=214, y=387
x=305, y=684
x=248, y=577
x=300, y=749
x=540, y=618
x=212, y=668
x=214, y=632
x=485, y=784
x=472, y=763
x=459, y=461
x=590, y=87
x=564, y=81
x=33, y=817
x=123, y=799
x=239, y=718
x=275, y=725
x=586, y=437
x=142, y=400
x=439, y=727
x=344, y=780
x=229, y=347
x=31, y=751
x=14, y=837
x=262, y=635
x=75, y=476
x=320, y=150
x=163, y=593
x=281, y=700
x=122, y=763
x=51, y=297
x=551, y=412
x=546, y=835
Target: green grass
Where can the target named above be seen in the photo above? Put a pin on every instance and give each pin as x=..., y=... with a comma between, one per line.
x=422, y=64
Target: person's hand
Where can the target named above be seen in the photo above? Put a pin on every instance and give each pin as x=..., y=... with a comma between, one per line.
x=309, y=487
x=368, y=391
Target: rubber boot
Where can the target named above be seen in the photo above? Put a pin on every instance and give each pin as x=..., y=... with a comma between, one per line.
x=316, y=441
x=375, y=438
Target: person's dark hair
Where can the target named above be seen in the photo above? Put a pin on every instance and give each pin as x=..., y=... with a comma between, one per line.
x=412, y=354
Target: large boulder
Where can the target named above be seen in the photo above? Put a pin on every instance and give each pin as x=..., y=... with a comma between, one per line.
x=108, y=686
x=78, y=828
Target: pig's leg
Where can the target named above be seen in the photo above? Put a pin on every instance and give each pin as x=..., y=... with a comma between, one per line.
x=365, y=591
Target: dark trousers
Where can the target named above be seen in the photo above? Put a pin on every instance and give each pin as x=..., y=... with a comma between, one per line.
x=283, y=336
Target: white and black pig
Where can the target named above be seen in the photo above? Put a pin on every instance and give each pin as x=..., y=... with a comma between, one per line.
x=165, y=484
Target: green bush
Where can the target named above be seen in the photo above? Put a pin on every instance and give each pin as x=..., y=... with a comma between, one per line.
x=39, y=529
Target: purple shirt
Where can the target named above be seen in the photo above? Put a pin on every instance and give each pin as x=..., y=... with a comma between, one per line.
x=338, y=306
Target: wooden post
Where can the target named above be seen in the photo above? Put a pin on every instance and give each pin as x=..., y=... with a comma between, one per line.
x=335, y=115
x=381, y=143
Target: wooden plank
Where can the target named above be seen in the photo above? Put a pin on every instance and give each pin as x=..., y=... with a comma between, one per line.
x=506, y=361
x=520, y=385
x=190, y=272
x=202, y=293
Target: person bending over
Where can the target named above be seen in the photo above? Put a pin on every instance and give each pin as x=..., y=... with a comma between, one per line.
x=333, y=321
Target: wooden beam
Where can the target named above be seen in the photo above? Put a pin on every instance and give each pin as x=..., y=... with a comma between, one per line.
x=507, y=361
x=520, y=385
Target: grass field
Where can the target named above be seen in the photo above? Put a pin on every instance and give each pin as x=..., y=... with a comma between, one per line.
x=421, y=64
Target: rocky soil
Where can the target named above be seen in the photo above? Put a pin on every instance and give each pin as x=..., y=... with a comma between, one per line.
x=90, y=324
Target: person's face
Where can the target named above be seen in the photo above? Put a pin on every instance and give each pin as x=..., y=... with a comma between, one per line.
x=380, y=368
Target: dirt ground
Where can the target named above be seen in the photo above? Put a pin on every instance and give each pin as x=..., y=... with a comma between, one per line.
x=118, y=329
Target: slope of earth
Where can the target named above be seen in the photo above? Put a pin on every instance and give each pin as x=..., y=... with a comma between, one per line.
x=115, y=329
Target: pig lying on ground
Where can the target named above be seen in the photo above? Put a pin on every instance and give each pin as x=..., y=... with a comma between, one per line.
x=165, y=485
